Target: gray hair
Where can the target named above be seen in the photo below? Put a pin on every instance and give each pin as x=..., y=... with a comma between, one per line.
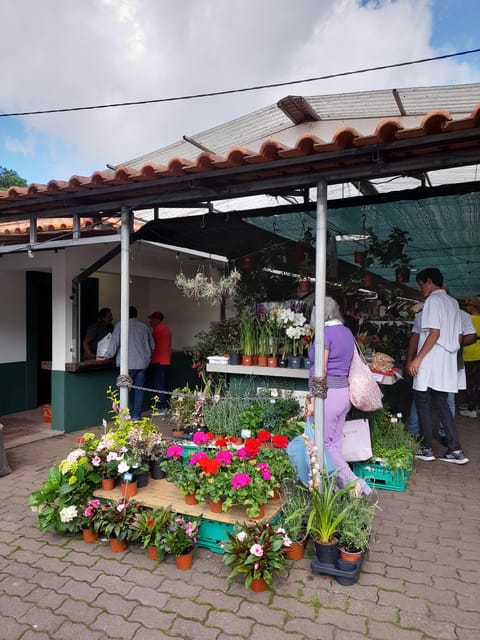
x=332, y=310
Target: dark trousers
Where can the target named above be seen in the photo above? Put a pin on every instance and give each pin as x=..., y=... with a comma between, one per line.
x=440, y=401
x=158, y=377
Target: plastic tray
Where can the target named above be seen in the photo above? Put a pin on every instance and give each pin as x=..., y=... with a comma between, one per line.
x=378, y=476
x=343, y=576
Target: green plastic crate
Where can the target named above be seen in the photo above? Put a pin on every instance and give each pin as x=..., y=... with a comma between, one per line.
x=212, y=533
x=379, y=477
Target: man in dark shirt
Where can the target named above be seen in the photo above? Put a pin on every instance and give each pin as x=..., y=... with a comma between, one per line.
x=95, y=332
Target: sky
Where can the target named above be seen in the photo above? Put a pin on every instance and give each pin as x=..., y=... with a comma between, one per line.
x=65, y=53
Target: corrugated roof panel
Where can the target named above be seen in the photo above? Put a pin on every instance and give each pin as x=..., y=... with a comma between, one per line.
x=364, y=104
x=456, y=99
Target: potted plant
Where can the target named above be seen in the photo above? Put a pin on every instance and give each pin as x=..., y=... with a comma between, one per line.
x=296, y=505
x=255, y=551
x=115, y=520
x=182, y=406
x=150, y=528
x=248, y=340
x=88, y=515
x=249, y=485
x=327, y=513
x=222, y=417
x=155, y=449
x=263, y=339
x=355, y=531
x=391, y=251
x=180, y=540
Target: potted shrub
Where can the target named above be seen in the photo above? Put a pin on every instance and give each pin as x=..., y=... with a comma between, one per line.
x=150, y=528
x=255, y=551
x=182, y=406
x=222, y=417
x=180, y=540
x=155, y=450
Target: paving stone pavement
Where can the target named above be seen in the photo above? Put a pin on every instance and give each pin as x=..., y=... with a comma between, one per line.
x=419, y=582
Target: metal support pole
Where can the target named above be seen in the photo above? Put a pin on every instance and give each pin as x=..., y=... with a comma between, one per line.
x=124, y=300
x=320, y=288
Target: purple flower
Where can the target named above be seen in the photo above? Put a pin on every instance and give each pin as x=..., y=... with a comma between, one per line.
x=240, y=480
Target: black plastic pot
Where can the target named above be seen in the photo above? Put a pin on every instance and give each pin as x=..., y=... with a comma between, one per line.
x=155, y=470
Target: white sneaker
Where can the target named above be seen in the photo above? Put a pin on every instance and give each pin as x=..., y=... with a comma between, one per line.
x=468, y=414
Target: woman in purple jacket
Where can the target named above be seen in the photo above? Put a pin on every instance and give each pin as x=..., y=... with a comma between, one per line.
x=339, y=345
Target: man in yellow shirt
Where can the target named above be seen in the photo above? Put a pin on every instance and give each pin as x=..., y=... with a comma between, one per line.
x=471, y=357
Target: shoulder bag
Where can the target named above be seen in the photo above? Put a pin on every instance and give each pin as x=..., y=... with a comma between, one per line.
x=365, y=393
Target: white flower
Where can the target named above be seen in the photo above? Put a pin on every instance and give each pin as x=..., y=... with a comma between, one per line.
x=112, y=455
x=241, y=535
x=74, y=455
x=67, y=514
x=123, y=467
x=286, y=541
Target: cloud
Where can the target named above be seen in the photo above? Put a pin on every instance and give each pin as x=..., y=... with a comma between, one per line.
x=103, y=51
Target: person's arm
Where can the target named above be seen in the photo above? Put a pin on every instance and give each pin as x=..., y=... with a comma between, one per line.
x=432, y=339
x=86, y=349
x=411, y=349
x=468, y=339
x=325, y=355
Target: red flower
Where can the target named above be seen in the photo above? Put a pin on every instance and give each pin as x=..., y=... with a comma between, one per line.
x=150, y=523
x=221, y=442
x=279, y=441
x=209, y=466
x=264, y=435
x=210, y=435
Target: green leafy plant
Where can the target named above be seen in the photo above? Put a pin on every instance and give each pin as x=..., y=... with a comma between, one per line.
x=222, y=417
x=181, y=536
x=297, y=503
x=150, y=527
x=328, y=510
x=255, y=550
x=355, y=531
x=115, y=519
x=392, y=445
x=263, y=339
x=248, y=337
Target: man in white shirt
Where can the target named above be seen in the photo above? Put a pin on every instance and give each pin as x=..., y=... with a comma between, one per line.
x=435, y=365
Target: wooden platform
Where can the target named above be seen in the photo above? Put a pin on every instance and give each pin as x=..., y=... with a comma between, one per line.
x=214, y=527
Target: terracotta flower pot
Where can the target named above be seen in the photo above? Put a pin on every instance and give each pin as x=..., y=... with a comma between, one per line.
x=258, y=585
x=152, y=552
x=272, y=362
x=184, y=562
x=129, y=489
x=190, y=499
x=108, y=484
x=247, y=361
x=295, y=551
x=89, y=536
x=117, y=545
x=215, y=507
x=276, y=494
x=261, y=513
x=304, y=286
x=262, y=361
x=350, y=556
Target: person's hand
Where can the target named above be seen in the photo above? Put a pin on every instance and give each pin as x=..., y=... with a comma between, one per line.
x=412, y=368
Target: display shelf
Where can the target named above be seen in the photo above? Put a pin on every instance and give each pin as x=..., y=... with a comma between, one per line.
x=214, y=527
x=277, y=372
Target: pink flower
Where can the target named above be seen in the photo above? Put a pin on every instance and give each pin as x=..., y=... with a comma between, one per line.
x=96, y=460
x=88, y=512
x=174, y=451
x=197, y=456
x=266, y=475
x=242, y=452
x=240, y=480
x=199, y=437
x=256, y=550
x=94, y=503
x=225, y=457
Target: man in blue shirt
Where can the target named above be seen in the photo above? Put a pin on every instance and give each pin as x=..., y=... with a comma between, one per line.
x=140, y=348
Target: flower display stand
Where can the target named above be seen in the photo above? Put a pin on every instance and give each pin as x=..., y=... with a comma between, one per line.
x=378, y=476
x=214, y=527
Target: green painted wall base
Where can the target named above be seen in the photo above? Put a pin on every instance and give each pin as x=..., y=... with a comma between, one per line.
x=79, y=400
x=12, y=387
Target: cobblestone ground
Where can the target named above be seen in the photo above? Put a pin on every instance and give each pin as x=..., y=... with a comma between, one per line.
x=419, y=582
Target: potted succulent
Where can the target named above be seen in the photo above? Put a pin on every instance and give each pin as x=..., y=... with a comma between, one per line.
x=180, y=540
x=255, y=551
x=150, y=528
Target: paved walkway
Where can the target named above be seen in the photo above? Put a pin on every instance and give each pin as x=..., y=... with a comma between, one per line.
x=421, y=580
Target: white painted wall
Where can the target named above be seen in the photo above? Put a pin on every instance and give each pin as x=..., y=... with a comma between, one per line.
x=12, y=317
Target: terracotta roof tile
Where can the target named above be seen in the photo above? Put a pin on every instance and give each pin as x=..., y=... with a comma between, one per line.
x=388, y=130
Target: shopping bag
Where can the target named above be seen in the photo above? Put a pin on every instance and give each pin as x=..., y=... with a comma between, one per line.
x=356, y=443
x=365, y=393
x=102, y=345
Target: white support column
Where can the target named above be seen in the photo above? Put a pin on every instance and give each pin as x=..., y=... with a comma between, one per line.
x=320, y=288
x=124, y=300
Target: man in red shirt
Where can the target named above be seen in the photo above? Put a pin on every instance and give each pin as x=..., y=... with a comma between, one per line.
x=161, y=355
